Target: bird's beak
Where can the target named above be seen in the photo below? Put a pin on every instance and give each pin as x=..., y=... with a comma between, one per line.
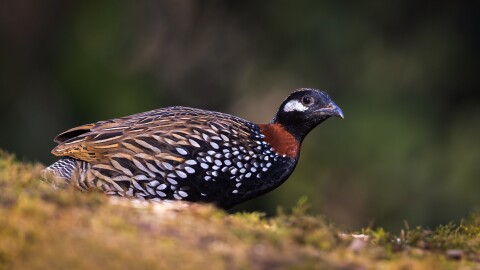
x=332, y=110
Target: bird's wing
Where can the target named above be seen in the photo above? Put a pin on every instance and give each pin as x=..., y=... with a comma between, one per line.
x=160, y=134
x=169, y=153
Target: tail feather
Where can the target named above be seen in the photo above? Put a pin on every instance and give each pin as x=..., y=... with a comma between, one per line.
x=60, y=172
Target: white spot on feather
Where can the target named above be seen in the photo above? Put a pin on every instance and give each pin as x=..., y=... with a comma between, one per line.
x=167, y=166
x=161, y=194
x=191, y=162
x=225, y=138
x=140, y=177
x=172, y=181
x=182, y=151
x=189, y=170
x=154, y=183
x=194, y=143
x=214, y=145
x=181, y=174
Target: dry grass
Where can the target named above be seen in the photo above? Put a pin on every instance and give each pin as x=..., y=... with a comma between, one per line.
x=42, y=228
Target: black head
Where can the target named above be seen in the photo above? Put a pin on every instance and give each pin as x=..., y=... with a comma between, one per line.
x=304, y=109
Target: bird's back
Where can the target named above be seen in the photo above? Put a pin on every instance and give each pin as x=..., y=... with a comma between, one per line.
x=92, y=142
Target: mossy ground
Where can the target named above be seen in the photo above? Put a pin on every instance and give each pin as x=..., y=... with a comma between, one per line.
x=43, y=228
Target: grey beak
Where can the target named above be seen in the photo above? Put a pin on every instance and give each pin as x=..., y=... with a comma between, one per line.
x=337, y=111
x=332, y=110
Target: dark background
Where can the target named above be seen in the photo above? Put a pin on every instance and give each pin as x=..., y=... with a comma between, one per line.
x=404, y=72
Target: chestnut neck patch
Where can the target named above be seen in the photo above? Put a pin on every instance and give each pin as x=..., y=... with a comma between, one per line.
x=282, y=141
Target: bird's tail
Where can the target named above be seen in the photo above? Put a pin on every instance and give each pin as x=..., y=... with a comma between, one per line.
x=60, y=173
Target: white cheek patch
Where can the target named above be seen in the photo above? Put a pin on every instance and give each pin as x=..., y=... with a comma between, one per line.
x=294, y=105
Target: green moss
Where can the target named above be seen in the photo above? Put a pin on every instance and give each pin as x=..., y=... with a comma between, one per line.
x=44, y=228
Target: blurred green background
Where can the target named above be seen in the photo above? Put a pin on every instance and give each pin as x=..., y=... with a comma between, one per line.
x=405, y=73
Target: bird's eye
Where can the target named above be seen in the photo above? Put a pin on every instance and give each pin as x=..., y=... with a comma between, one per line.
x=307, y=100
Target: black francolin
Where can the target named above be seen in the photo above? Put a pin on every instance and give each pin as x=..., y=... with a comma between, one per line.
x=181, y=153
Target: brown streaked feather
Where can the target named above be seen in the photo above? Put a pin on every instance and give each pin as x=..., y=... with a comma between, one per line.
x=150, y=132
x=73, y=132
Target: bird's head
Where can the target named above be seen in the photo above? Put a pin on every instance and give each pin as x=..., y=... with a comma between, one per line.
x=304, y=109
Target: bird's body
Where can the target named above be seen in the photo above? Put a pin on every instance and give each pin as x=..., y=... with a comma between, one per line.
x=181, y=153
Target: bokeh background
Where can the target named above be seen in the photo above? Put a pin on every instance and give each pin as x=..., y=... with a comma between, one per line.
x=405, y=73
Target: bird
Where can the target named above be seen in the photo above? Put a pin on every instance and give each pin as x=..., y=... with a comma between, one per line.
x=189, y=154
